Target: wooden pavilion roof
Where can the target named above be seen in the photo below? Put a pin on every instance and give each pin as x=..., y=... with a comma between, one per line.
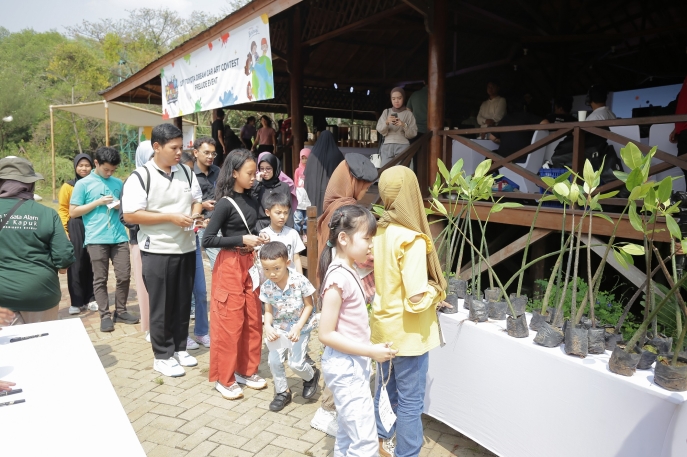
x=545, y=47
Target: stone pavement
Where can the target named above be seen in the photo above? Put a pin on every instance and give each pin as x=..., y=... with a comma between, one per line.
x=186, y=417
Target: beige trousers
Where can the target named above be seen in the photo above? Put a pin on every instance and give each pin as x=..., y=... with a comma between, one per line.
x=31, y=317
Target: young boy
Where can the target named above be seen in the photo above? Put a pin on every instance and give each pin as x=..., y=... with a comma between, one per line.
x=288, y=307
x=277, y=208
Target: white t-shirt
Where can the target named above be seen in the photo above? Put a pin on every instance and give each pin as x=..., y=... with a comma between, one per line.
x=290, y=238
x=601, y=114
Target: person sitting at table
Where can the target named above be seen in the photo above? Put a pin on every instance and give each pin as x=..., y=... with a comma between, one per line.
x=493, y=109
x=510, y=142
x=397, y=126
x=33, y=246
x=561, y=111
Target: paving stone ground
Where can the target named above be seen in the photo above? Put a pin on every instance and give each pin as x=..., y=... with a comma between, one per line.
x=186, y=417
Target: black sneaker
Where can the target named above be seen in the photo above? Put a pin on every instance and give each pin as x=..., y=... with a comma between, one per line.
x=125, y=318
x=280, y=401
x=309, y=361
x=310, y=387
x=106, y=324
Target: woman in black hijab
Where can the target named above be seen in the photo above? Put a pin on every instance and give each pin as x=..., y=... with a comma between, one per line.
x=325, y=156
x=80, y=273
x=269, y=169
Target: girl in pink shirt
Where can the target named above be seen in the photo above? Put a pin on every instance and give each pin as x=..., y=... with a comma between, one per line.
x=345, y=330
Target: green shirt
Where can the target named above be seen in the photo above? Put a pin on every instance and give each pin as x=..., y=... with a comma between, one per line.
x=33, y=246
x=102, y=224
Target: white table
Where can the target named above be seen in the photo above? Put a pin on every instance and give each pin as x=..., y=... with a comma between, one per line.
x=519, y=399
x=71, y=408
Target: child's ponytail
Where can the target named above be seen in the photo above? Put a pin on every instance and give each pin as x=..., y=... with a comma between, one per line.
x=348, y=219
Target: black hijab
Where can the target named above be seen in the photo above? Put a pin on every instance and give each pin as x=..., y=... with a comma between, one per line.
x=77, y=159
x=325, y=156
x=276, y=169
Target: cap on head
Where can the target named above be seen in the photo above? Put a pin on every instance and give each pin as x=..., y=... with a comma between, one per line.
x=361, y=167
x=18, y=169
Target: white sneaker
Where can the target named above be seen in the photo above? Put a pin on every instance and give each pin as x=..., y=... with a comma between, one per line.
x=74, y=310
x=325, y=421
x=204, y=340
x=93, y=306
x=254, y=381
x=168, y=367
x=191, y=343
x=230, y=393
x=387, y=447
x=147, y=336
x=185, y=359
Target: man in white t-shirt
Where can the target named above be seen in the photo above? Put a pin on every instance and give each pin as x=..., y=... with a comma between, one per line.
x=596, y=98
x=277, y=208
x=164, y=198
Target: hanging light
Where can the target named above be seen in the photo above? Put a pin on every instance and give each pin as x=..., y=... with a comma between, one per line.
x=368, y=91
x=351, y=89
x=335, y=86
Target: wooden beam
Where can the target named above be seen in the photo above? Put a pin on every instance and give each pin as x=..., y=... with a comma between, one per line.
x=436, y=84
x=680, y=28
x=513, y=248
x=354, y=25
x=311, y=214
x=551, y=219
x=296, y=90
x=234, y=20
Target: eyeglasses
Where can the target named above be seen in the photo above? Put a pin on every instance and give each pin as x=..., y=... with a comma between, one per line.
x=211, y=154
x=266, y=169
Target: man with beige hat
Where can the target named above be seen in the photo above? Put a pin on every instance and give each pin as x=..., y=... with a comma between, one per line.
x=33, y=246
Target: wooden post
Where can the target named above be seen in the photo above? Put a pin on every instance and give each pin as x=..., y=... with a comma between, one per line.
x=107, y=124
x=296, y=89
x=179, y=122
x=313, y=259
x=578, y=150
x=52, y=146
x=436, y=80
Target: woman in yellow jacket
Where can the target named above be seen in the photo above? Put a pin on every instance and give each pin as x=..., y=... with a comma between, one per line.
x=410, y=286
x=80, y=273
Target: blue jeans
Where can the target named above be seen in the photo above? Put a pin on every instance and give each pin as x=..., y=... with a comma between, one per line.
x=212, y=253
x=406, y=389
x=200, y=295
x=300, y=221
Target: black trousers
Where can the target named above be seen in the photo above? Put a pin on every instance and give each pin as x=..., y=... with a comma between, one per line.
x=80, y=273
x=169, y=281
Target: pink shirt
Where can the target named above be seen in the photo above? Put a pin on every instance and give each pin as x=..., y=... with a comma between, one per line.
x=264, y=135
x=353, y=319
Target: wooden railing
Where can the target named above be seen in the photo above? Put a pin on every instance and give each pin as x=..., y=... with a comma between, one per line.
x=578, y=130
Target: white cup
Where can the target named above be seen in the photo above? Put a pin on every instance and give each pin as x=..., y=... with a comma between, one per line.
x=581, y=115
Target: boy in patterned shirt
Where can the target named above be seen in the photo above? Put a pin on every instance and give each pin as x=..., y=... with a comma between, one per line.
x=287, y=295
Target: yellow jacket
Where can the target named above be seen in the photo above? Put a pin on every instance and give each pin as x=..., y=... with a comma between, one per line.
x=63, y=198
x=401, y=272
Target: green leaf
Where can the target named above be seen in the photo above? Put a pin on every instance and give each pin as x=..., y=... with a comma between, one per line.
x=563, y=188
x=628, y=258
x=650, y=201
x=635, y=220
x=603, y=216
x=549, y=181
x=564, y=177
x=588, y=173
x=443, y=170
x=621, y=175
x=496, y=207
x=440, y=207
x=632, y=156
x=664, y=189
x=673, y=228
x=634, y=179
x=619, y=257
x=549, y=198
x=512, y=205
x=610, y=194
x=482, y=168
x=633, y=249
x=456, y=168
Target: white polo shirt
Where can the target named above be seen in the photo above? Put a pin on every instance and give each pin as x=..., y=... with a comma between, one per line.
x=171, y=194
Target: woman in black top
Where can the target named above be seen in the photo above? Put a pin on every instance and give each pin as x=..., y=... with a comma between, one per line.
x=236, y=313
x=267, y=183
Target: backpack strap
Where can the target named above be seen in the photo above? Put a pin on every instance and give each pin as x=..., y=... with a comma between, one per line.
x=183, y=167
x=147, y=186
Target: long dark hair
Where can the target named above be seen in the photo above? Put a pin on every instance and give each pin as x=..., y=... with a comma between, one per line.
x=234, y=161
x=349, y=219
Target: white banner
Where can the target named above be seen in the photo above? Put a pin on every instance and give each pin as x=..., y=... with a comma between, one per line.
x=233, y=69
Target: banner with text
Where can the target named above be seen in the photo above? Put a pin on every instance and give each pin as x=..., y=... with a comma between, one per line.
x=233, y=69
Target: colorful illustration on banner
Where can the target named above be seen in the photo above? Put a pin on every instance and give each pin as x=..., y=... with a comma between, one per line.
x=210, y=45
x=199, y=106
x=165, y=115
x=228, y=98
x=224, y=38
x=172, y=90
x=263, y=83
x=187, y=58
x=249, y=91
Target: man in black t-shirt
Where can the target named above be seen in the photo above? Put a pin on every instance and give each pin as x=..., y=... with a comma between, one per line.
x=561, y=111
x=218, y=136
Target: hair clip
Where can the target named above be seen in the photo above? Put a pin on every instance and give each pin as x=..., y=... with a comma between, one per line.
x=329, y=243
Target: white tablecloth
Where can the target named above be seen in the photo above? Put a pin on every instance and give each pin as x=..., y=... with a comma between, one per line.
x=71, y=408
x=520, y=399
